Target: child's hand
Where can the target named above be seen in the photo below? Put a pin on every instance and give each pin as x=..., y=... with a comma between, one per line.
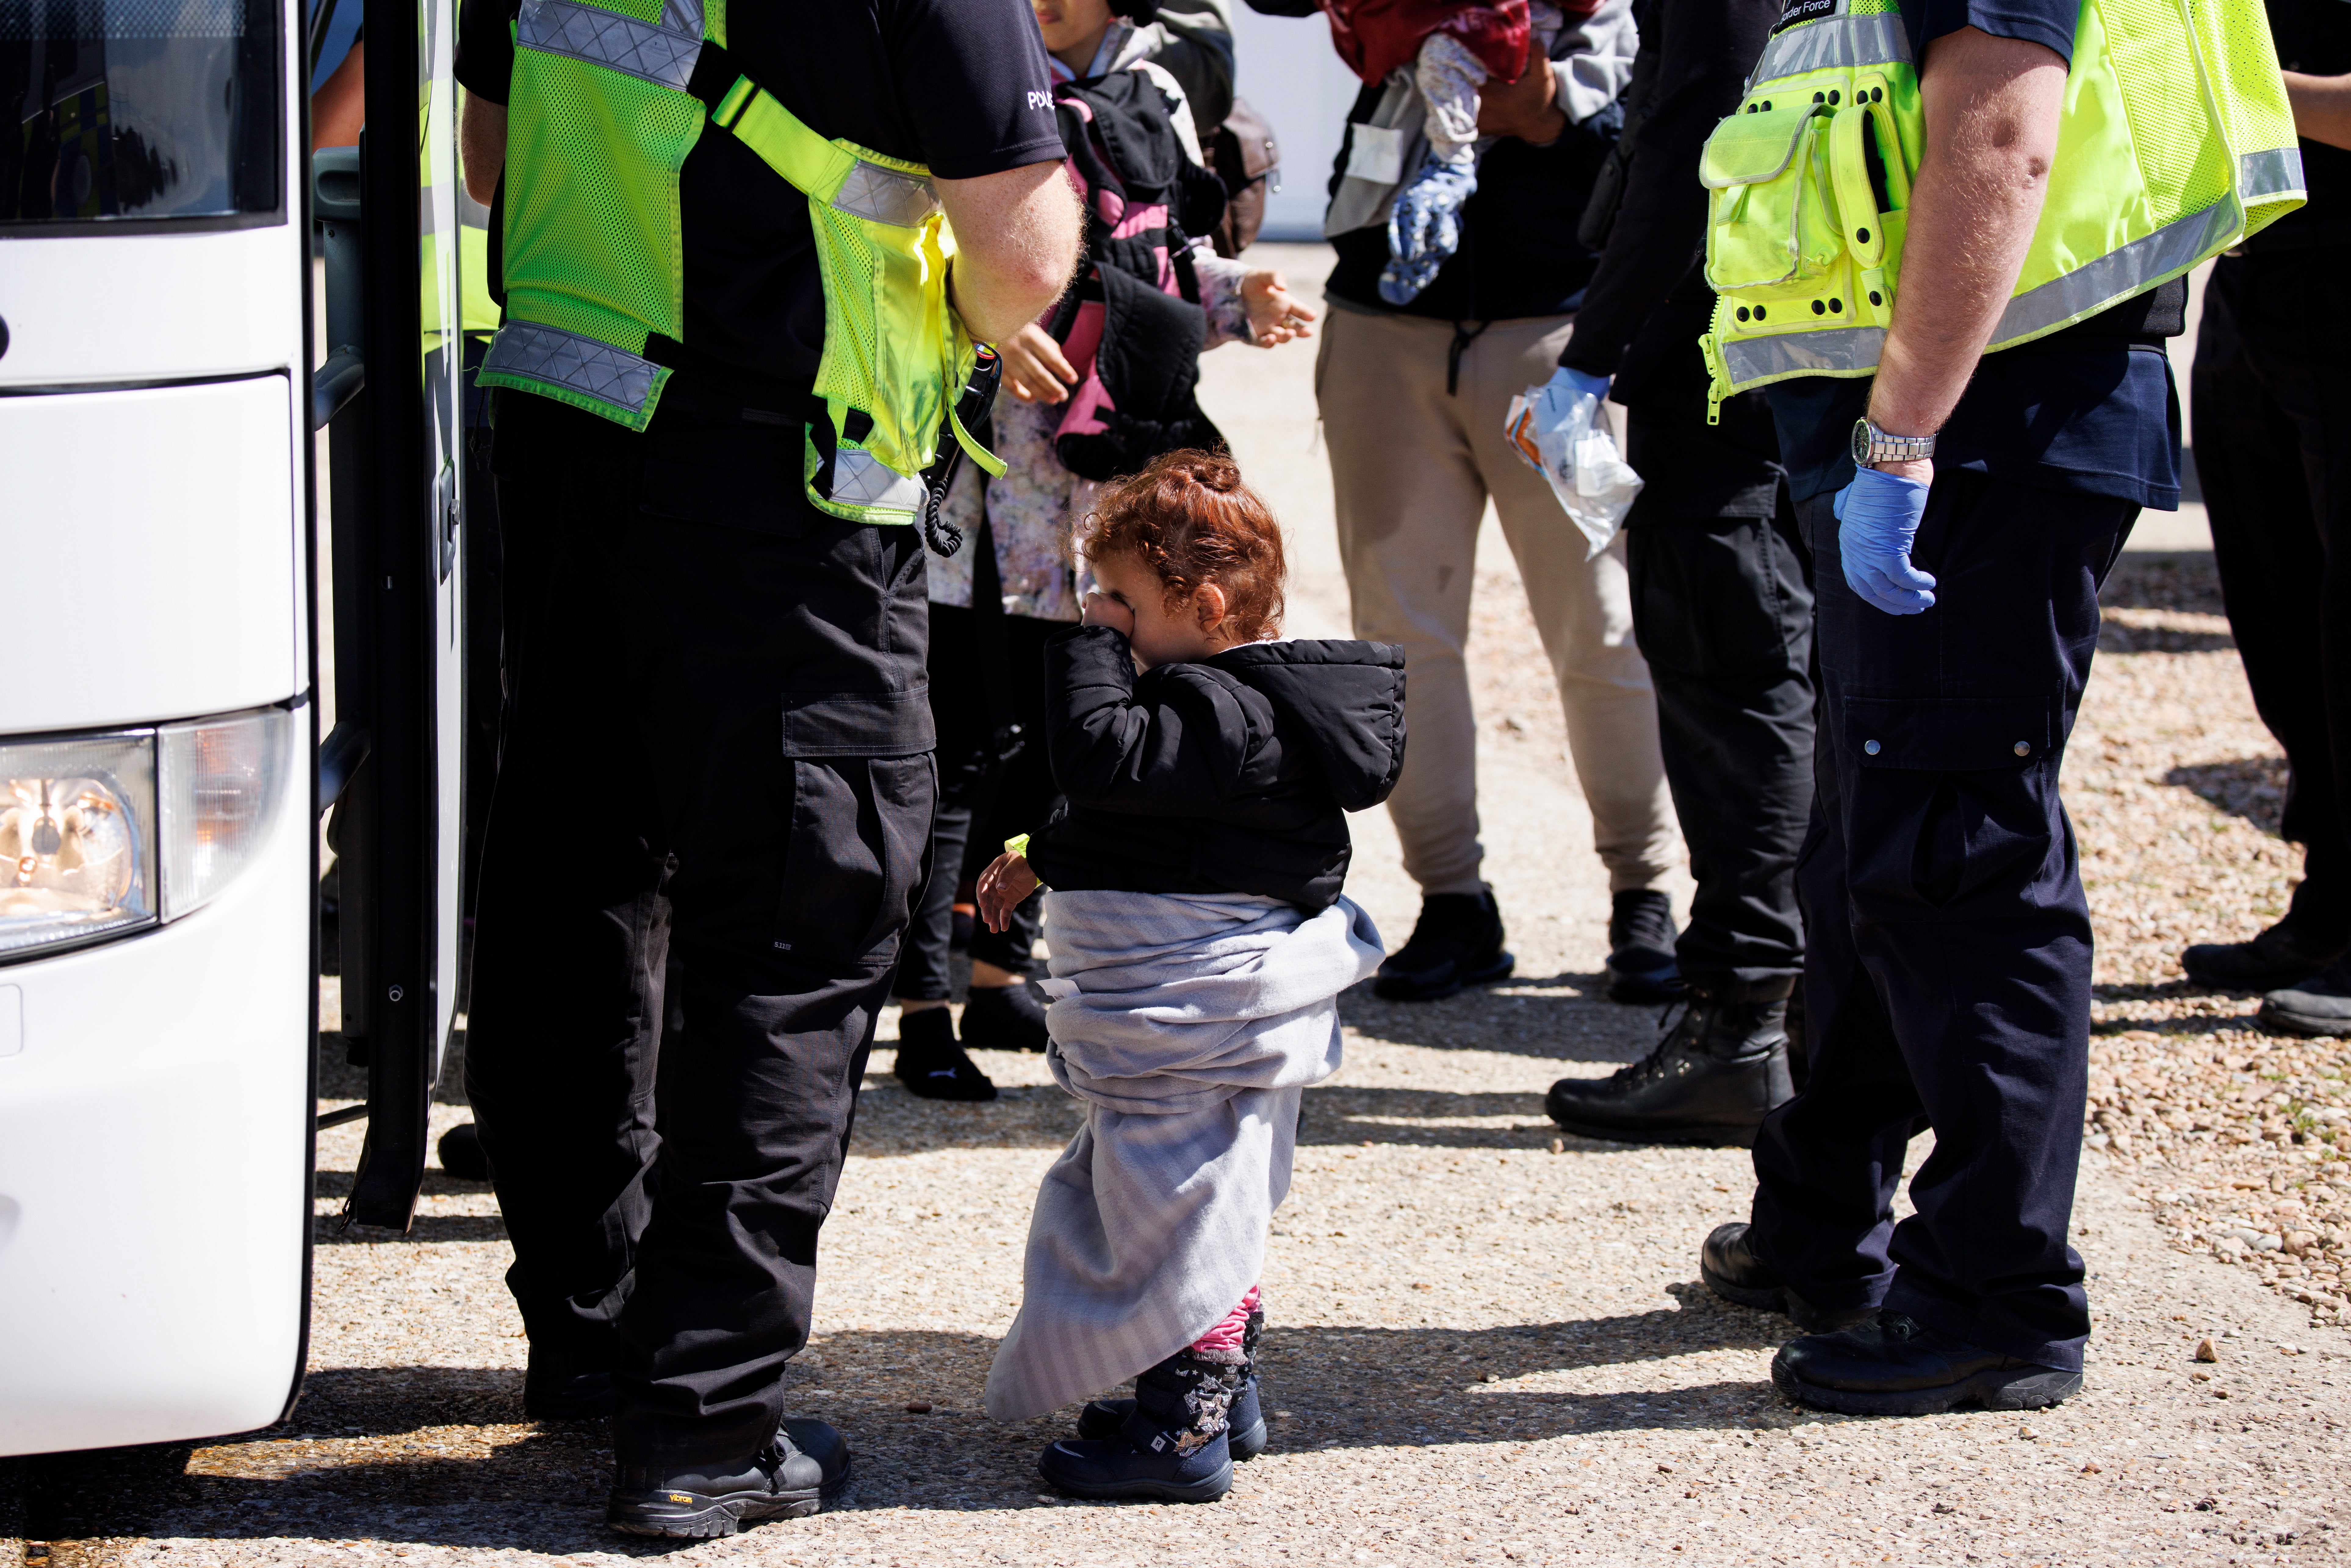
x=1035, y=370
x=1102, y=609
x=1002, y=886
x=1275, y=315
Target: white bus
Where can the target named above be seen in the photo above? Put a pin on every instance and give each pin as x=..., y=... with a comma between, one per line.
x=170, y=551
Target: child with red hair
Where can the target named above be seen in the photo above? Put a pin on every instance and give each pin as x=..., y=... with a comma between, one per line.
x=1197, y=944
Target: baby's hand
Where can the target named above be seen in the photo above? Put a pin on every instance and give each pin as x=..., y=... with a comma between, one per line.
x=1035, y=370
x=1274, y=314
x=1002, y=886
x=1102, y=609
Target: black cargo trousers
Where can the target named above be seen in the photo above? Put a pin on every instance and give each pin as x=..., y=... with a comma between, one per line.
x=2272, y=444
x=1947, y=969
x=1723, y=609
x=718, y=743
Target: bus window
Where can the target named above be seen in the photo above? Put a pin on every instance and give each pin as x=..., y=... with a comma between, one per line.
x=139, y=110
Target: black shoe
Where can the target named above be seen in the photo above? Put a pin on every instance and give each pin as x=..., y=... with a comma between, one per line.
x=1003, y=1018
x=1642, y=969
x=1731, y=1270
x=561, y=1387
x=461, y=1152
x=1719, y=1068
x=803, y=1464
x=1245, y=1432
x=1457, y=942
x=1896, y=1366
x=2280, y=958
x=2320, y=1006
x=931, y=1064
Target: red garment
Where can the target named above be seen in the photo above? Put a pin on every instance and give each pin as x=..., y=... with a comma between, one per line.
x=1375, y=37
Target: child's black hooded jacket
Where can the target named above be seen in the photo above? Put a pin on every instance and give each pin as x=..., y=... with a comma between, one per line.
x=1233, y=775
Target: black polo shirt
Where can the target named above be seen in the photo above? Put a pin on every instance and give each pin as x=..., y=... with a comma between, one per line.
x=2087, y=410
x=958, y=85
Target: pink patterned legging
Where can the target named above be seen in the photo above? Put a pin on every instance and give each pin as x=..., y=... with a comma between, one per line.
x=1224, y=1341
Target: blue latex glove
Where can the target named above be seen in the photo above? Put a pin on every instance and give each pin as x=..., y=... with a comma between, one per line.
x=1877, y=517
x=1425, y=228
x=1583, y=384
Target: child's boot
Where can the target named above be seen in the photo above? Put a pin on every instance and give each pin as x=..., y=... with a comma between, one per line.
x=1173, y=1445
x=1244, y=1423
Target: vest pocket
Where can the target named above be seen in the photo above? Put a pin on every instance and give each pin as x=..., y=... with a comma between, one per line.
x=1766, y=225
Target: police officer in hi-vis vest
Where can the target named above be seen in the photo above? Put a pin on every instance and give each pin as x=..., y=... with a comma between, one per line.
x=745, y=253
x=1956, y=278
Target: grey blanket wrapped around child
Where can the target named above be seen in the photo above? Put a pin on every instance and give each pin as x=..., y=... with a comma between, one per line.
x=1188, y=1024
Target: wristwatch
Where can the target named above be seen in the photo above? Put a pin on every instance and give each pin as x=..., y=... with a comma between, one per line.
x=1872, y=445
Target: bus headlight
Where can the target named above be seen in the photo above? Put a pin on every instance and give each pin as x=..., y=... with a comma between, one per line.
x=77, y=839
x=103, y=834
x=221, y=782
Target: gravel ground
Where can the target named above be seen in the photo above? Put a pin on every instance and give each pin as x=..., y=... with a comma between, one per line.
x=1488, y=1343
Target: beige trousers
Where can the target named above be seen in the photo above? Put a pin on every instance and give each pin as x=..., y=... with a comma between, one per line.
x=1412, y=468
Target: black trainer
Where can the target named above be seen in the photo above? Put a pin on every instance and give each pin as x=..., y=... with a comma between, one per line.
x=461, y=1152
x=1728, y=1266
x=2280, y=958
x=1896, y=1366
x=2320, y=1006
x=1642, y=969
x=1457, y=942
x=1718, y=1070
x=803, y=1465
x=1003, y=1018
x=560, y=1387
x=932, y=1065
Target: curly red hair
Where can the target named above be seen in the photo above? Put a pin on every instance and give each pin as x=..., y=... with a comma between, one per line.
x=1190, y=518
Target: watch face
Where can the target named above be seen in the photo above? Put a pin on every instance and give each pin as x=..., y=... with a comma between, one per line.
x=1861, y=442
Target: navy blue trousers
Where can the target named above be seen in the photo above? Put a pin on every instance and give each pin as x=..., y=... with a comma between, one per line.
x=1947, y=981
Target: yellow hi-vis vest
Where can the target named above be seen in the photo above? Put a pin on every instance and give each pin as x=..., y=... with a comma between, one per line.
x=2177, y=142
x=608, y=98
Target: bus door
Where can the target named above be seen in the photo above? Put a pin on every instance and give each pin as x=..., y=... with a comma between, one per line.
x=395, y=767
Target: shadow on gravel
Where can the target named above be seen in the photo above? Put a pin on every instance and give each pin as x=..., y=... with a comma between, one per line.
x=365, y=1456
x=1563, y=1017
x=2253, y=787
x=2165, y=580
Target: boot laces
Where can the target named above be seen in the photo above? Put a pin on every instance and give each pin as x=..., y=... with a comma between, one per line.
x=1682, y=1017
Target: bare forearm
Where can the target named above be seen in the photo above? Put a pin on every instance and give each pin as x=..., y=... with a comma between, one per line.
x=481, y=138
x=2322, y=107
x=1016, y=243
x=1992, y=106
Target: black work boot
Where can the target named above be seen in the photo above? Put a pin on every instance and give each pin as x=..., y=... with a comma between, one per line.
x=1718, y=1070
x=1642, y=969
x=1457, y=942
x=1244, y=1423
x=1730, y=1268
x=804, y=1463
x=1173, y=1448
x=1003, y=1018
x=461, y=1152
x=1896, y=1366
x=2280, y=959
x=931, y=1064
x=2318, y=1005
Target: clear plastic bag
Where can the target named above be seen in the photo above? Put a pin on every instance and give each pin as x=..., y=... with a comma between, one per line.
x=1559, y=428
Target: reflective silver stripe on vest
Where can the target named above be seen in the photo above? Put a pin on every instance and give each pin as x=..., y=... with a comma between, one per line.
x=887, y=196
x=1826, y=352
x=862, y=479
x=2117, y=275
x=1839, y=41
x=662, y=55
x=538, y=352
x=2262, y=176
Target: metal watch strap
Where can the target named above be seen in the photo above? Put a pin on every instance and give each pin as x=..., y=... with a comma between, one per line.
x=1872, y=445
